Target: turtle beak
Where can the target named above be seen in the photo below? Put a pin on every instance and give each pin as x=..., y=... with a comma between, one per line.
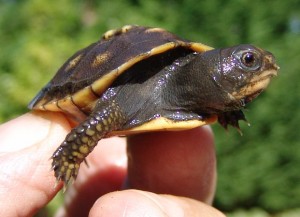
x=270, y=65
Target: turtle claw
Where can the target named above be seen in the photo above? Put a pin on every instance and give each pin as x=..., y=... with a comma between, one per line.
x=66, y=183
x=65, y=170
x=232, y=118
x=86, y=163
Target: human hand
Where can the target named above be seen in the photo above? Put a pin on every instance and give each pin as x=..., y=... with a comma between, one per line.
x=178, y=167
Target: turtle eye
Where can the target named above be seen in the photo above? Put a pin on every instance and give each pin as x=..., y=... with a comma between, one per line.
x=249, y=60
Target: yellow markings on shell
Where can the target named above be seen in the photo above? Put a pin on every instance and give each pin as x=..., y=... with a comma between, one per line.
x=100, y=85
x=73, y=62
x=52, y=106
x=84, y=97
x=199, y=47
x=100, y=58
x=126, y=28
x=67, y=106
x=40, y=105
x=155, y=30
x=111, y=33
x=164, y=124
x=165, y=47
x=63, y=105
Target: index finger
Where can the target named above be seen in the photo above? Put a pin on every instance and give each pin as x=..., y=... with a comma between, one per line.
x=180, y=163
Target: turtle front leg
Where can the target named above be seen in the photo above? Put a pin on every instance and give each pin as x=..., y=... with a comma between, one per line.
x=83, y=139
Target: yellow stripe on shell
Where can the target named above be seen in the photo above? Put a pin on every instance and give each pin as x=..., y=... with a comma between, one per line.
x=126, y=28
x=40, y=105
x=155, y=30
x=84, y=97
x=199, y=47
x=111, y=33
x=64, y=105
x=52, y=106
x=73, y=62
x=102, y=84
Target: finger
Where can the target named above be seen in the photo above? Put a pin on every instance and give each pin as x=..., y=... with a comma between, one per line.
x=107, y=169
x=179, y=163
x=27, y=142
x=138, y=203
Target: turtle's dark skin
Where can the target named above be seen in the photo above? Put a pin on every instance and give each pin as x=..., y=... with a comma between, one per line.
x=139, y=79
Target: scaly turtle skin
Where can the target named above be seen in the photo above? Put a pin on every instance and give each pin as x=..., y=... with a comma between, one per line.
x=138, y=79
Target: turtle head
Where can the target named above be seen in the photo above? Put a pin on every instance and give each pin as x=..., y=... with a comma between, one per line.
x=220, y=80
x=244, y=71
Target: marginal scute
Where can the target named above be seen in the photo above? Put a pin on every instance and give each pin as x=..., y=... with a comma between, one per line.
x=84, y=97
x=52, y=106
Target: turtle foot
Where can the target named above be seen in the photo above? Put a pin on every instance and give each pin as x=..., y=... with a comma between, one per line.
x=232, y=118
x=65, y=167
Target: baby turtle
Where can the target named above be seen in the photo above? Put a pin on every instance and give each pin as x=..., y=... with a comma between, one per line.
x=138, y=79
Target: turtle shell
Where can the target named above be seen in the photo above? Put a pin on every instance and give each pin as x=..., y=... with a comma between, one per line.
x=86, y=75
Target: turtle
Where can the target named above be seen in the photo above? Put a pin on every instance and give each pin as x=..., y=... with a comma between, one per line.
x=137, y=79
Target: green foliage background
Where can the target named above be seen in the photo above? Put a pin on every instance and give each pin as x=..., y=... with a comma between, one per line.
x=259, y=169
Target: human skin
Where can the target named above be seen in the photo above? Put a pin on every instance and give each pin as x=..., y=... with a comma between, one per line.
x=173, y=173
